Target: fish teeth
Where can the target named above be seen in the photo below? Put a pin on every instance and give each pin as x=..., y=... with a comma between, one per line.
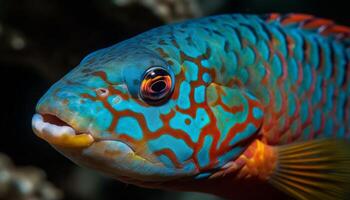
x=42, y=127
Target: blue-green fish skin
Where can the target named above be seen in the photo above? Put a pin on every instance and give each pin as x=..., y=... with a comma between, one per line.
x=186, y=100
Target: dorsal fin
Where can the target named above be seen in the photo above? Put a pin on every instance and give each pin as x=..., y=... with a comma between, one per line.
x=321, y=26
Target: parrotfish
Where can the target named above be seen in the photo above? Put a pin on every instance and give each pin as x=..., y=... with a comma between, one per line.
x=214, y=105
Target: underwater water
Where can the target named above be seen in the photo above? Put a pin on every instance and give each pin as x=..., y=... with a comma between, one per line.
x=40, y=41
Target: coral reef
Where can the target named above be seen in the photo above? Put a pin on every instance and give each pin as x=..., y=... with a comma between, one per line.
x=25, y=183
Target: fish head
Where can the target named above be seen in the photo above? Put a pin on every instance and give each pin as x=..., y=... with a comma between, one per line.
x=112, y=113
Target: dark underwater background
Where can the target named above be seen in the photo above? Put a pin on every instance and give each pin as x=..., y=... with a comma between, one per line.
x=41, y=40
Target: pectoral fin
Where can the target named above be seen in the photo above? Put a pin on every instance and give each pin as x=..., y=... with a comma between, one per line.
x=314, y=170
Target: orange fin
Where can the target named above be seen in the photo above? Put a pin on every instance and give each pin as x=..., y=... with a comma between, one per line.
x=257, y=162
x=314, y=170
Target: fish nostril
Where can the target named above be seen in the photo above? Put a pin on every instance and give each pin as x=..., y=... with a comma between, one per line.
x=102, y=92
x=52, y=119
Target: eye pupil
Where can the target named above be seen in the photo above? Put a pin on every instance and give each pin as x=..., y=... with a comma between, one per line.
x=156, y=85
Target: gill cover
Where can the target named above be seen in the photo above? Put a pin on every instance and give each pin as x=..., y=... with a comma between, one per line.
x=237, y=117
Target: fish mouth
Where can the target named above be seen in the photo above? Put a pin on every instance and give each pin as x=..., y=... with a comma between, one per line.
x=57, y=132
x=113, y=157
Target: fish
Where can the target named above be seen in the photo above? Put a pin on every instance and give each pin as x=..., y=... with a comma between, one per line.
x=224, y=105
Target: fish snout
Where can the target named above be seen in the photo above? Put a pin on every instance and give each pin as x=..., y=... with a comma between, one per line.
x=64, y=116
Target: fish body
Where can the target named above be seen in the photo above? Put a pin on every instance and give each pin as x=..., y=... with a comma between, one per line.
x=194, y=102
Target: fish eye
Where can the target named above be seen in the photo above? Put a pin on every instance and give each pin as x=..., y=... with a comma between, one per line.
x=157, y=85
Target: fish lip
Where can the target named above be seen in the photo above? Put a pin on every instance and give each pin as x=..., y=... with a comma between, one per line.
x=64, y=135
x=38, y=125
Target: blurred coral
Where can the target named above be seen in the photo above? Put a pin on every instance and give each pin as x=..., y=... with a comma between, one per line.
x=175, y=10
x=25, y=183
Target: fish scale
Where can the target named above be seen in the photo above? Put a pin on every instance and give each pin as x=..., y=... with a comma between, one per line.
x=310, y=47
x=242, y=90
